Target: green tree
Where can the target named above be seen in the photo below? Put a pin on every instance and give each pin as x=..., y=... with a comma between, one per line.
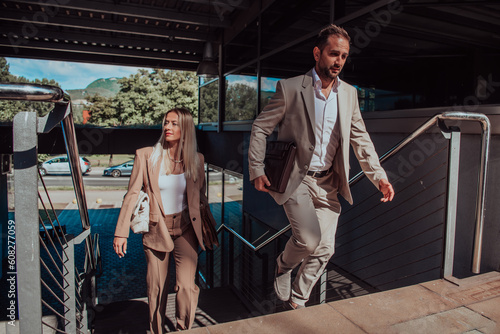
x=102, y=111
x=144, y=97
x=10, y=108
x=241, y=102
x=5, y=75
x=209, y=102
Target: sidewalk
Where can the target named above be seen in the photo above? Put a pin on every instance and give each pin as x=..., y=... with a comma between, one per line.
x=440, y=306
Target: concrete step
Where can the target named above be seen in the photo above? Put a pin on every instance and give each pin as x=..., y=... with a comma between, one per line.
x=470, y=305
x=215, y=306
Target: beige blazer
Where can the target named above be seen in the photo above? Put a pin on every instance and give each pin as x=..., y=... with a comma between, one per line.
x=158, y=237
x=292, y=110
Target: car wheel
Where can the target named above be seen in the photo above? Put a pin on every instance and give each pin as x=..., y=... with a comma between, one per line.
x=116, y=173
x=43, y=172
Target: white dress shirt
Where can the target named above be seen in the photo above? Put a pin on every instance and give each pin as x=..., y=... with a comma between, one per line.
x=326, y=129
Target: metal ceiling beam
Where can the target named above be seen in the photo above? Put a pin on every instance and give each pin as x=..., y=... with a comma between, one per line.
x=101, y=25
x=471, y=14
x=452, y=3
x=430, y=33
x=151, y=13
x=100, y=50
x=242, y=21
x=343, y=20
x=240, y=4
x=100, y=59
x=115, y=39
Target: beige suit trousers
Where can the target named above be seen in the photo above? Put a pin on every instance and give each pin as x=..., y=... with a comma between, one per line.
x=313, y=211
x=185, y=256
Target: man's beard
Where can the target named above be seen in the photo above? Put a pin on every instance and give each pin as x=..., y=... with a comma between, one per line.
x=327, y=73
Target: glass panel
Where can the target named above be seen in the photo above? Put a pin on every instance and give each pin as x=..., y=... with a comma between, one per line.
x=209, y=102
x=214, y=186
x=366, y=97
x=267, y=90
x=241, y=97
x=233, y=200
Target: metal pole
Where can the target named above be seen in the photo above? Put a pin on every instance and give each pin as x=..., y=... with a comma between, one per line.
x=265, y=274
x=481, y=194
x=322, y=287
x=231, y=259
x=76, y=174
x=451, y=206
x=26, y=204
x=69, y=289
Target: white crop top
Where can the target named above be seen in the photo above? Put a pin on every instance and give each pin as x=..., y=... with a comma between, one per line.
x=173, y=192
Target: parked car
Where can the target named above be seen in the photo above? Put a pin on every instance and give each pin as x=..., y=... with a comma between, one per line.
x=60, y=165
x=119, y=170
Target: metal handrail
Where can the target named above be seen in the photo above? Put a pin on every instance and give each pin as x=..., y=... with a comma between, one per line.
x=30, y=92
x=248, y=243
x=485, y=141
x=60, y=114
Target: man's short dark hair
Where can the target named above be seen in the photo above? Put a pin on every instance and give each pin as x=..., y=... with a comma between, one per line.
x=328, y=31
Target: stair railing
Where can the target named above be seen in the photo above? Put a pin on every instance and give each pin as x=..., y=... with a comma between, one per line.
x=48, y=280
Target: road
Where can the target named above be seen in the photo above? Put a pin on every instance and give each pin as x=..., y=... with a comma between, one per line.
x=92, y=179
x=96, y=179
x=88, y=180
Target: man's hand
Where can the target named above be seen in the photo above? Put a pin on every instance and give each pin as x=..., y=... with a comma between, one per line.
x=120, y=246
x=261, y=183
x=386, y=189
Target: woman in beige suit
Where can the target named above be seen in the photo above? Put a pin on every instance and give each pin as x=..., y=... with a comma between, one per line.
x=172, y=174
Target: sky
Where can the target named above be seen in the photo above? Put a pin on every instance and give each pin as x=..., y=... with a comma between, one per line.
x=68, y=74
x=79, y=75
x=268, y=84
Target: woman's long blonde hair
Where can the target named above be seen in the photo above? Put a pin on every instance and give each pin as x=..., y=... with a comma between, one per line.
x=187, y=145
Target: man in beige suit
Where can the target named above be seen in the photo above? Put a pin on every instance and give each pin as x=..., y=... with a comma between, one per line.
x=320, y=113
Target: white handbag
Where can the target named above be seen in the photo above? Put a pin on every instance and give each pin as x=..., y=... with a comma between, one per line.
x=140, y=217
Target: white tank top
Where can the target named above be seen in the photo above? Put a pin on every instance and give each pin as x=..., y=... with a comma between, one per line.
x=173, y=192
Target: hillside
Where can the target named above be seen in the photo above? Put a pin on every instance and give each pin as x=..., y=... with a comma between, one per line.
x=104, y=87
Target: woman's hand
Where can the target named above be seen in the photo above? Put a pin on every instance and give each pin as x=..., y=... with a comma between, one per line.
x=120, y=246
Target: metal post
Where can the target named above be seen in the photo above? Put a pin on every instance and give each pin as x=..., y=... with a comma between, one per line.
x=4, y=205
x=231, y=259
x=69, y=289
x=222, y=206
x=451, y=205
x=322, y=286
x=87, y=291
x=481, y=194
x=26, y=203
x=210, y=262
x=222, y=259
x=222, y=90
x=265, y=274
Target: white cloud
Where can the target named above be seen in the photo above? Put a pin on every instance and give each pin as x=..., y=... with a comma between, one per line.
x=69, y=75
